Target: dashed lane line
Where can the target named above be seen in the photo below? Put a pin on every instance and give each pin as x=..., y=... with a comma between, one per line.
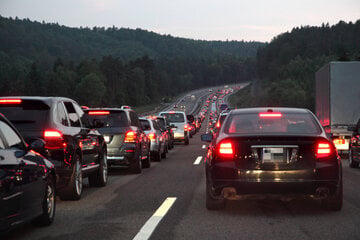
x=198, y=160
x=151, y=224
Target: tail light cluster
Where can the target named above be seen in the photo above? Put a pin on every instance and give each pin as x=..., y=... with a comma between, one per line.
x=226, y=149
x=186, y=127
x=324, y=149
x=54, y=139
x=130, y=137
x=152, y=136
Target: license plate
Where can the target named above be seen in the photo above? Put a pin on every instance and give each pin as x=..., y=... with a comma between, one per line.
x=273, y=155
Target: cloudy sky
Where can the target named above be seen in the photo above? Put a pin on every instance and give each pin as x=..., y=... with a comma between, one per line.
x=251, y=20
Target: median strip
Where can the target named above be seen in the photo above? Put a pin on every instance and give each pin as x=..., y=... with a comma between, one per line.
x=149, y=227
x=198, y=160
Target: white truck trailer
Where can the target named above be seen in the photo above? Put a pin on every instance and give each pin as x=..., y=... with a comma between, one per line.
x=338, y=100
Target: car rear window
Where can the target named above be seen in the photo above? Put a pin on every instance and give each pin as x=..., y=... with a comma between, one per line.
x=145, y=124
x=112, y=119
x=174, y=117
x=27, y=115
x=287, y=123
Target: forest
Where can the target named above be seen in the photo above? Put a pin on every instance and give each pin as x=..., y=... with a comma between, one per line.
x=114, y=67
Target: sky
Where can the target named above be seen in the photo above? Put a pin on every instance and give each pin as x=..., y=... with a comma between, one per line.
x=251, y=20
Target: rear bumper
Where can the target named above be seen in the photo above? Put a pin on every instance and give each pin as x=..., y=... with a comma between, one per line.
x=124, y=155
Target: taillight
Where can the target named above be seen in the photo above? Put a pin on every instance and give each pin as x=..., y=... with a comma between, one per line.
x=270, y=115
x=339, y=141
x=323, y=149
x=54, y=139
x=218, y=124
x=152, y=136
x=10, y=101
x=98, y=112
x=186, y=127
x=226, y=149
x=130, y=137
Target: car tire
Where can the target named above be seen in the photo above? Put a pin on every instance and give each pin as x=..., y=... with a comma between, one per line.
x=146, y=163
x=352, y=163
x=136, y=166
x=163, y=154
x=211, y=202
x=48, y=204
x=186, y=141
x=99, y=178
x=334, y=202
x=74, y=190
x=155, y=156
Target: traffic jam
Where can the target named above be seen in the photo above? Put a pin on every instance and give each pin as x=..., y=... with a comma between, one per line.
x=51, y=145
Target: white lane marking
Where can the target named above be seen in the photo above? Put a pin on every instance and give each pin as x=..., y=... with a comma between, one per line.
x=198, y=160
x=203, y=146
x=149, y=227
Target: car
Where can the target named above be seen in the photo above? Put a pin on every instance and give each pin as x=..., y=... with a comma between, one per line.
x=354, y=148
x=165, y=127
x=272, y=151
x=180, y=126
x=71, y=143
x=223, y=106
x=157, y=142
x=27, y=181
x=125, y=107
x=127, y=145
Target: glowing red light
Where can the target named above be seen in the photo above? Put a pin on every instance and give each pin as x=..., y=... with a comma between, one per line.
x=270, y=115
x=10, y=101
x=98, y=112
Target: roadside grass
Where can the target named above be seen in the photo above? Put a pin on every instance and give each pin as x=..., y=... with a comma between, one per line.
x=243, y=99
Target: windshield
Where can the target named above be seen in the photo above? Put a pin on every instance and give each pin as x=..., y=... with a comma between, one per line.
x=114, y=119
x=29, y=115
x=288, y=123
x=174, y=117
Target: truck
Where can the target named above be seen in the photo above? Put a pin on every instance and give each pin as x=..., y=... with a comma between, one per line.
x=338, y=100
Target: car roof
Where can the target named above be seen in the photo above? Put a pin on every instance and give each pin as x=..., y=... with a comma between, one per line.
x=40, y=98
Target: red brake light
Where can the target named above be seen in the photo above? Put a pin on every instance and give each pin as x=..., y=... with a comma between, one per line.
x=186, y=127
x=10, y=101
x=218, y=124
x=226, y=149
x=323, y=149
x=152, y=136
x=130, y=137
x=54, y=139
x=338, y=141
x=98, y=112
x=270, y=115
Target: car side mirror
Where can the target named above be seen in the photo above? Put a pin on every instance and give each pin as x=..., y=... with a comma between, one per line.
x=37, y=145
x=206, y=137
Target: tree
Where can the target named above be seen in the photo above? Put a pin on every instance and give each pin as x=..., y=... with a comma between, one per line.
x=90, y=90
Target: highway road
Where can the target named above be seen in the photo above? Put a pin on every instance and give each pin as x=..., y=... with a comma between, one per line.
x=167, y=201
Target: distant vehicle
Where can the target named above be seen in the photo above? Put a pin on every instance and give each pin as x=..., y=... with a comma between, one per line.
x=27, y=180
x=127, y=144
x=193, y=97
x=223, y=107
x=176, y=106
x=354, y=150
x=338, y=101
x=180, y=126
x=71, y=143
x=125, y=107
x=155, y=135
x=210, y=90
x=276, y=151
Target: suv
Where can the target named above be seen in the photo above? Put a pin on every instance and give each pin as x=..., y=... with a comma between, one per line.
x=179, y=124
x=71, y=144
x=127, y=144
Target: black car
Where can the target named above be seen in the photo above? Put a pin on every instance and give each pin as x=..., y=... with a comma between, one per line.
x=127, y=144
x=166, y=127
x=71, y=143
x=275, y=151
x=354, y=148
x=27, y=181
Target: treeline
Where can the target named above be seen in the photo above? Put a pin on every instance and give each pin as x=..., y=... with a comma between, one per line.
x=112, y=82
x=286, y=66
x=113, y=67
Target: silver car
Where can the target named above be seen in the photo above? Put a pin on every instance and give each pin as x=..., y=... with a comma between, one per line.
x=179, y=125
x=157, y=141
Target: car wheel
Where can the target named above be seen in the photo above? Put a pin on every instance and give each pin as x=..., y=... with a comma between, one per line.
x=334, y=202
x=352, y=164
x=163, y=154
x=146, y=163
x=74, y=189
x=48, y=204
x=136, y=166
x=99, y=178
x=211, y=202
x=186, y=141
